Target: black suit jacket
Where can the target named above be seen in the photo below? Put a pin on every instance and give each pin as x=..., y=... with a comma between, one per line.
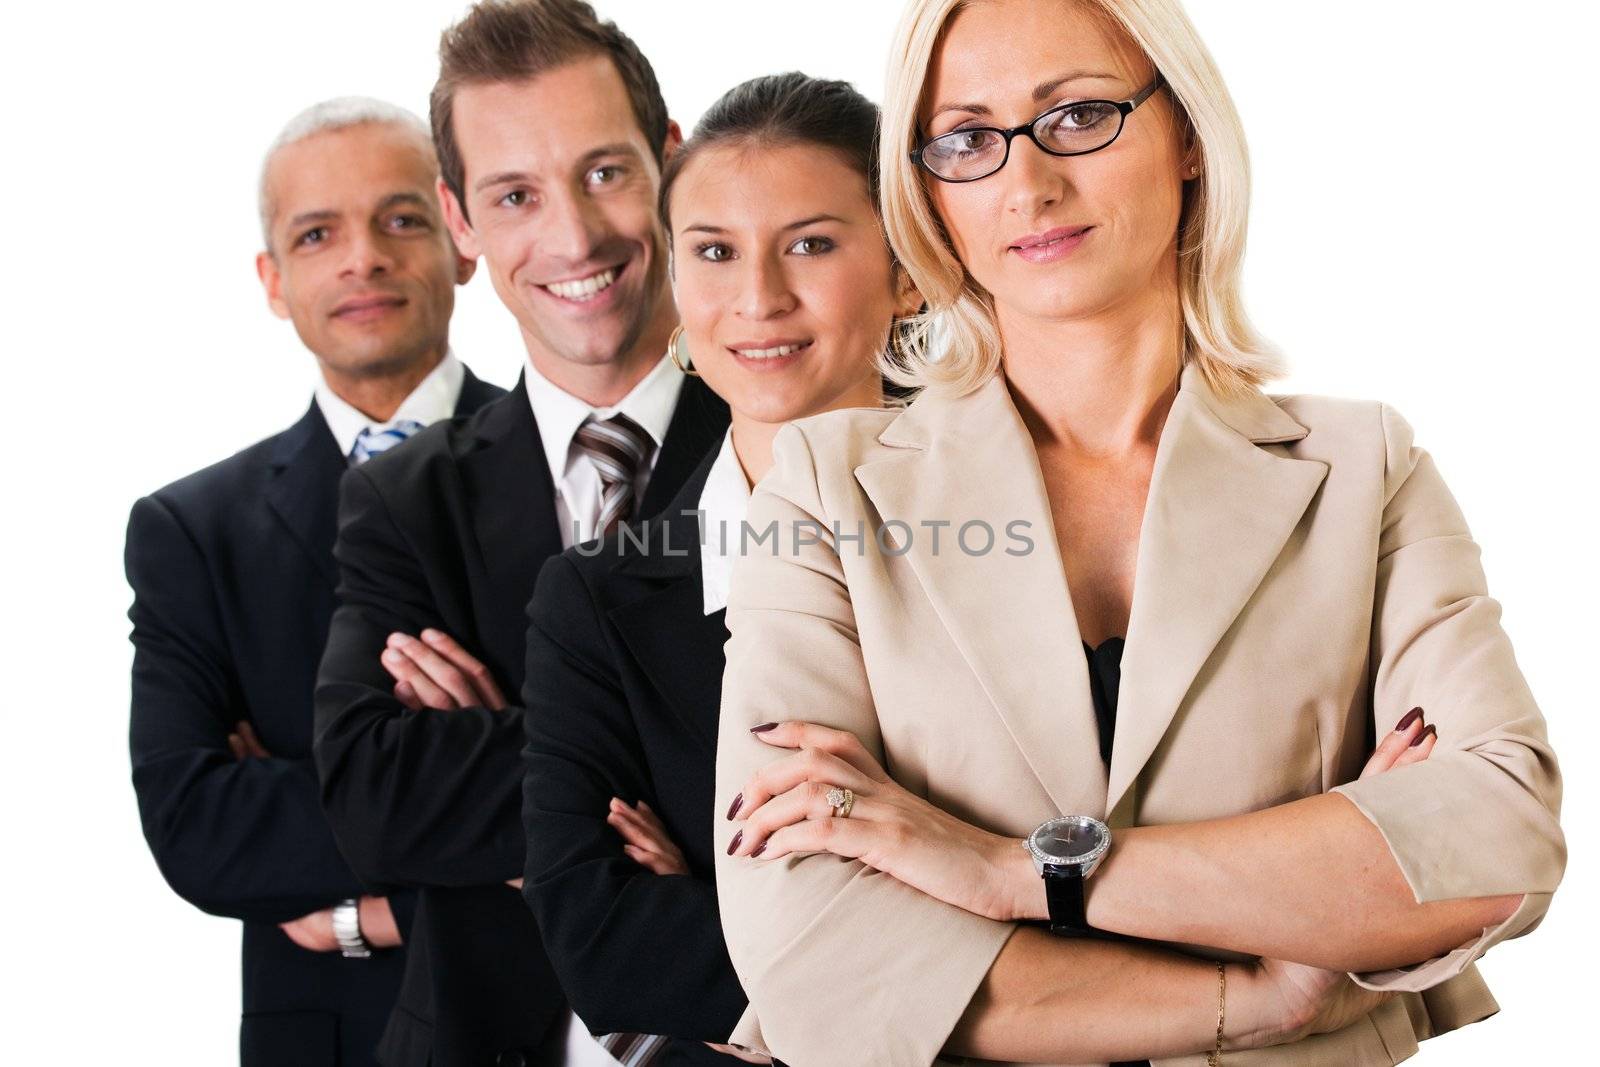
x=233, y=578
x=624, y=681
x=450, y=532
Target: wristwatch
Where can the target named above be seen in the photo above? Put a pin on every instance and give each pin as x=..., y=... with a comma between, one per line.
x=347, y=930
x=1065, y=851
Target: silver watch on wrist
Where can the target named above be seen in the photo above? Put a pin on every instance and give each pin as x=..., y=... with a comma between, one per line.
x=1066, y=851
x=347, y=930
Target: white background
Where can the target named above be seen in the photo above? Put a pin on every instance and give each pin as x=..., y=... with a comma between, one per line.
x=1424, y=232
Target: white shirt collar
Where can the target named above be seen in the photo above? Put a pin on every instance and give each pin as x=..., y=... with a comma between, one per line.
x=434, y=398
x=558, y=413
x=724, y=502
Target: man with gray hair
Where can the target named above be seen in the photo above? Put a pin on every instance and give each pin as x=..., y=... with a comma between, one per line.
x=233, y=576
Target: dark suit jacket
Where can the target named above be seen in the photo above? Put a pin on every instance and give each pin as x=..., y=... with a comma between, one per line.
x=624, y=681
x=233, y=577
x=450, y=532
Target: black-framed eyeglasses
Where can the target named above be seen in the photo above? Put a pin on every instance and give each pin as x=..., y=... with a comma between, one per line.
x=1073, y=129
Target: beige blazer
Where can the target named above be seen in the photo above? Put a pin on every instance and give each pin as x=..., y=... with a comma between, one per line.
x=1304, y=578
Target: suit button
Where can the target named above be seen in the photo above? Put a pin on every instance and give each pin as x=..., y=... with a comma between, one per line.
x=511, y=1058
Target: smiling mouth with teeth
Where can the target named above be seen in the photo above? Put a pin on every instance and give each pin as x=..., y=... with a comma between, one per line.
x=582, y=290
x=771, y=353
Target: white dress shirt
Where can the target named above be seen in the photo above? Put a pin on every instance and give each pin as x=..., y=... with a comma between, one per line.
x=559, y=414
x=433, y=399
x=724, y=502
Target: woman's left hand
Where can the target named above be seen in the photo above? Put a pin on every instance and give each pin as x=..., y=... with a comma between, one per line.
x=785, y=811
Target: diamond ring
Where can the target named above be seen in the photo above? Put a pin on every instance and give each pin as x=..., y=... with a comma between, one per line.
x=841, y=800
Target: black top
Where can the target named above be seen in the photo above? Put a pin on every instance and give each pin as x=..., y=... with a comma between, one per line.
x=621, y=691
x=1105, y=679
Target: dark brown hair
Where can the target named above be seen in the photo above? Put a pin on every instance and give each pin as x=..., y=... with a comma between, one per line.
x=513, y=40
x=786, y=109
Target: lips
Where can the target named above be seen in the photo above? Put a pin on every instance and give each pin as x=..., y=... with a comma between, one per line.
x=1043, y=241
x=368, y=305
x=583, y=290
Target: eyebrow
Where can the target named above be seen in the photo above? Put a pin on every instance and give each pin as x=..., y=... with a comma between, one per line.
x=306, y=218
x=1041, y=92
x=800, y=224
x=414, y=199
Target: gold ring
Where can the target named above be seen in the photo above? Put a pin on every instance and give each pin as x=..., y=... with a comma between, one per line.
x=841, y=800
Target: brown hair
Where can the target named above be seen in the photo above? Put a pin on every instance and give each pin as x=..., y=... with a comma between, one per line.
x=785, y=109
x=513, y=40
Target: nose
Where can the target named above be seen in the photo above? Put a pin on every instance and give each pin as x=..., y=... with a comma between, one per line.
x=571, y=228
x=1035, y=180
x=367, y=255
x=764, y=291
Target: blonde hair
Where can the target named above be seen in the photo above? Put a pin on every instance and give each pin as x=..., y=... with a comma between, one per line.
x=955, y=344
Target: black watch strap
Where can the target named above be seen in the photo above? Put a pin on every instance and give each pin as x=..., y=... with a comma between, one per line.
x=1063, y=893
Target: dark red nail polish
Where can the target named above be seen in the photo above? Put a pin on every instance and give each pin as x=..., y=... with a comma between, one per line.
x=763, y=728
x=733, y=809
x=1411, y=716
x=733, y=846
x=1429, y=732
x=759, y=849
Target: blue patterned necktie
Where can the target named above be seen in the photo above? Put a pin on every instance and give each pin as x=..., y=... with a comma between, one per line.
x=369, y=444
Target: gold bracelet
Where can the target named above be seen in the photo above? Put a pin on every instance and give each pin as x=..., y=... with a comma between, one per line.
x=1214, y=1058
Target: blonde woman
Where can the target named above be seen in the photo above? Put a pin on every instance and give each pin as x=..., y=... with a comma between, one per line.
x=1096, y=593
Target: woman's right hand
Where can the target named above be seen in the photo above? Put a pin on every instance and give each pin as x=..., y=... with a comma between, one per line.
x=1289, y=1001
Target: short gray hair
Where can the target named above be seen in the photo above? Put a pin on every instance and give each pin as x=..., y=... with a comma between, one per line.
x=339, y=113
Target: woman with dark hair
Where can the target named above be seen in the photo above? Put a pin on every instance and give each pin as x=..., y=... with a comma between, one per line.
x=788, y=295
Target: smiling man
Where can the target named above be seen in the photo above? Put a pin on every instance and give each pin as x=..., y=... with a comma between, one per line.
x=551, y=133
x=233, y=577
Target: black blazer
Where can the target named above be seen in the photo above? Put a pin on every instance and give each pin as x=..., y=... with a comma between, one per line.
x=450, y=532
x=233, y=576
x=625, y=678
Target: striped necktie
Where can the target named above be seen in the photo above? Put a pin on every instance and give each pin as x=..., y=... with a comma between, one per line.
x=369, y=444
x=633, y=1050
x=619, y=448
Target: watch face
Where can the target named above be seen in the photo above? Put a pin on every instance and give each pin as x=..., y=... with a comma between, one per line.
x=1072, y=839
x=1071, y=842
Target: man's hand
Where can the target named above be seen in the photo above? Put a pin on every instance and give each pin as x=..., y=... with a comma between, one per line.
x=645, y=840
x=437, y=673
x=244, y=744
x=313, y=932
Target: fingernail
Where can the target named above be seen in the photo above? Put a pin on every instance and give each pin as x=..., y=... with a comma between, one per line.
x=763, y=728
x=733, y=846
x=733, y=809
x=758, y=850
x=1411, y=716
x=392, y=656
x=1429, y=732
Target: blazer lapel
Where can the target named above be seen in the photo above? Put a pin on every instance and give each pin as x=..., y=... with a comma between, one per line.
x=512, y=503
x=1011, y=616
x=1219, y=511
x=698, y=422
x=304, y=488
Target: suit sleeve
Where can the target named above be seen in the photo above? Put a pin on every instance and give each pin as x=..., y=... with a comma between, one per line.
x=1480, y=816
x=246, y=840
x=613, y=929
x=416, y=798
x=843, y=964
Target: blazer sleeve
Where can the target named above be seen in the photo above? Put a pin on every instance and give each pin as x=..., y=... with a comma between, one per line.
x=842, y=964
x=1480, y=816
x=415, y=798
x=246, y=840
x=612, y=928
